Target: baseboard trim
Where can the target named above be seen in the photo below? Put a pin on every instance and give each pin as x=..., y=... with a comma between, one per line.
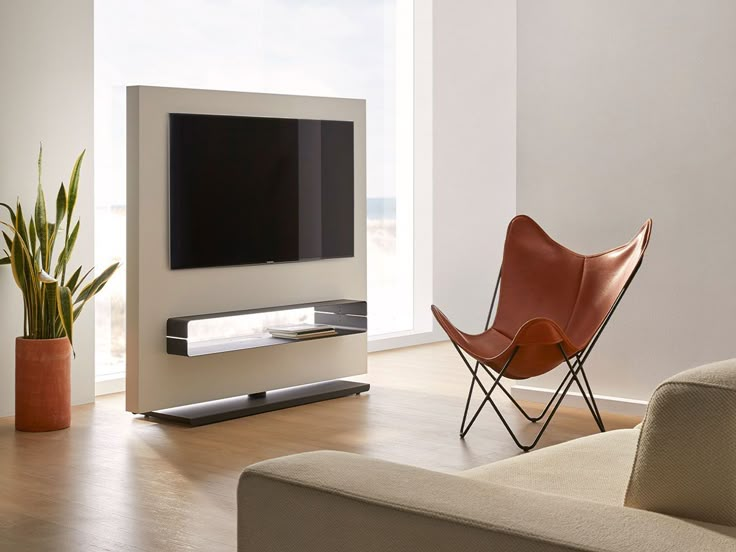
x=614, y=405
x=109, y=385
x=398, y=341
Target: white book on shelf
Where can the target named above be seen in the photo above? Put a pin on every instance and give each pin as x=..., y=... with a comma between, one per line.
x=301, y=329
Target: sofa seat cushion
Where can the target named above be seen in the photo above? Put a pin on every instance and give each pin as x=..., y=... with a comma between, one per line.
x=595, y=468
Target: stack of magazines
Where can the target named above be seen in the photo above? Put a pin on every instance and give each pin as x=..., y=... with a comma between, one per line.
x=302, y=331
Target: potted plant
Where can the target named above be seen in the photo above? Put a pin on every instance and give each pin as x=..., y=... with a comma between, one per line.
x=53, y=298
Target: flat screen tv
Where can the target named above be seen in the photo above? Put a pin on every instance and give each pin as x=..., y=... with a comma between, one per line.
x=251, y=190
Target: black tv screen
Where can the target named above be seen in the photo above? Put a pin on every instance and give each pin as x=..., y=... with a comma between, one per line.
x=249, y=190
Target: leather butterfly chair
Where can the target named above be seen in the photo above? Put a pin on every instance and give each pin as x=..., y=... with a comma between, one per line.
x=553, y=305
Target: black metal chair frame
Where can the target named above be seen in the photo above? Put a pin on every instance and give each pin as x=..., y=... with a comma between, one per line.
x=575, y=368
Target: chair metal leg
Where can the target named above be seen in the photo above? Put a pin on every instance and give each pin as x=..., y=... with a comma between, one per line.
x=477, y=363
x=591, y=403
x=470, y=394
x=518, y=443
x=516, y=404
x=592, y=398
x=570, y=377
x=488, y=393
x=533, y=419
x=476, y=379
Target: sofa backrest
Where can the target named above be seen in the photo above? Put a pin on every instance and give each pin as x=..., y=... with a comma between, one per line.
x=685, y=463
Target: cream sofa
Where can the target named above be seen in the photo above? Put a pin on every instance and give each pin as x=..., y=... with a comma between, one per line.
x=669, y=486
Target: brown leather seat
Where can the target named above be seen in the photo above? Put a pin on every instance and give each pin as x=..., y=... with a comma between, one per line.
x=552, y=301
x=549, y=295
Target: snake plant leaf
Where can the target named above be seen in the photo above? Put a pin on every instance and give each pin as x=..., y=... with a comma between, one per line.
x=17, y=262
x=51, y=230
x=42, y=227
x=8, y=241
x=24, y=270
x=4, y=261
x=20, y=225
x=73, y=188
x=32, y=235
x=73, y=281
x=66, y=311
x=10, y=210
x=91, y=289
x=66, y=252
x=60, y=205
x=50, y=303
x=60, y=212
x=83, y=278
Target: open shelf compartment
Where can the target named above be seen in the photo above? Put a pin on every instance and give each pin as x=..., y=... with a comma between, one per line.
x=348, y=317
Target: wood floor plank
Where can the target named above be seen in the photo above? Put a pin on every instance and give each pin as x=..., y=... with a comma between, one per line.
x=119, y=482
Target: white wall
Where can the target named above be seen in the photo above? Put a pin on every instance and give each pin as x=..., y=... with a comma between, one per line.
x=627, y=110
x=46, y=95
x=474, y=48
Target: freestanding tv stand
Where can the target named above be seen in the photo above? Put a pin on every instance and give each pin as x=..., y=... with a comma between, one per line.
x=347, y=316
x=157, y=380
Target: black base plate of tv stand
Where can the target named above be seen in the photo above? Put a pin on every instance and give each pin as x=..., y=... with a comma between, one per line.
x=257, y=403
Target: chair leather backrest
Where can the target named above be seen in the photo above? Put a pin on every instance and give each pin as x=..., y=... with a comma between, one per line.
x=541, y=278
x=685, y=462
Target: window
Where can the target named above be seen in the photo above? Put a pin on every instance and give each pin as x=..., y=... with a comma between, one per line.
x=358, y=49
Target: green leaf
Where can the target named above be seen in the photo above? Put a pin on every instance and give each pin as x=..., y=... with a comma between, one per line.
x=8, y=241
x=73, y=188
x=4, y=261
x=42, y=229
x=66, y=310
x=66, y=253
x=20, y=225
x=71, y=202
x=10, y=210
x=74, y=280
x=50, y=308
x=60, y=212
x=83, y=278
x=91, y=289
x=26, y=277
x=60, y=205
x=32, y=235
x=18, y=262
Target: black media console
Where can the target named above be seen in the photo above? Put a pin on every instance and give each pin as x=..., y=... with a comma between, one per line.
x=347, y=316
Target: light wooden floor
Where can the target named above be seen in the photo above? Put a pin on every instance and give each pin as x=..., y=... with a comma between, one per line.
x=116, y=482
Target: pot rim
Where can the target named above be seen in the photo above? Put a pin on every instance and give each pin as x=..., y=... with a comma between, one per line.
x=29, y=339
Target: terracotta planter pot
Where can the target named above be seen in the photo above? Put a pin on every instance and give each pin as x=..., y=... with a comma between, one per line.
x=42, y=384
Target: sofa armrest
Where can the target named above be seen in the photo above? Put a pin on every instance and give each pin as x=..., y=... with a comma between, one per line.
x=333, y=501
